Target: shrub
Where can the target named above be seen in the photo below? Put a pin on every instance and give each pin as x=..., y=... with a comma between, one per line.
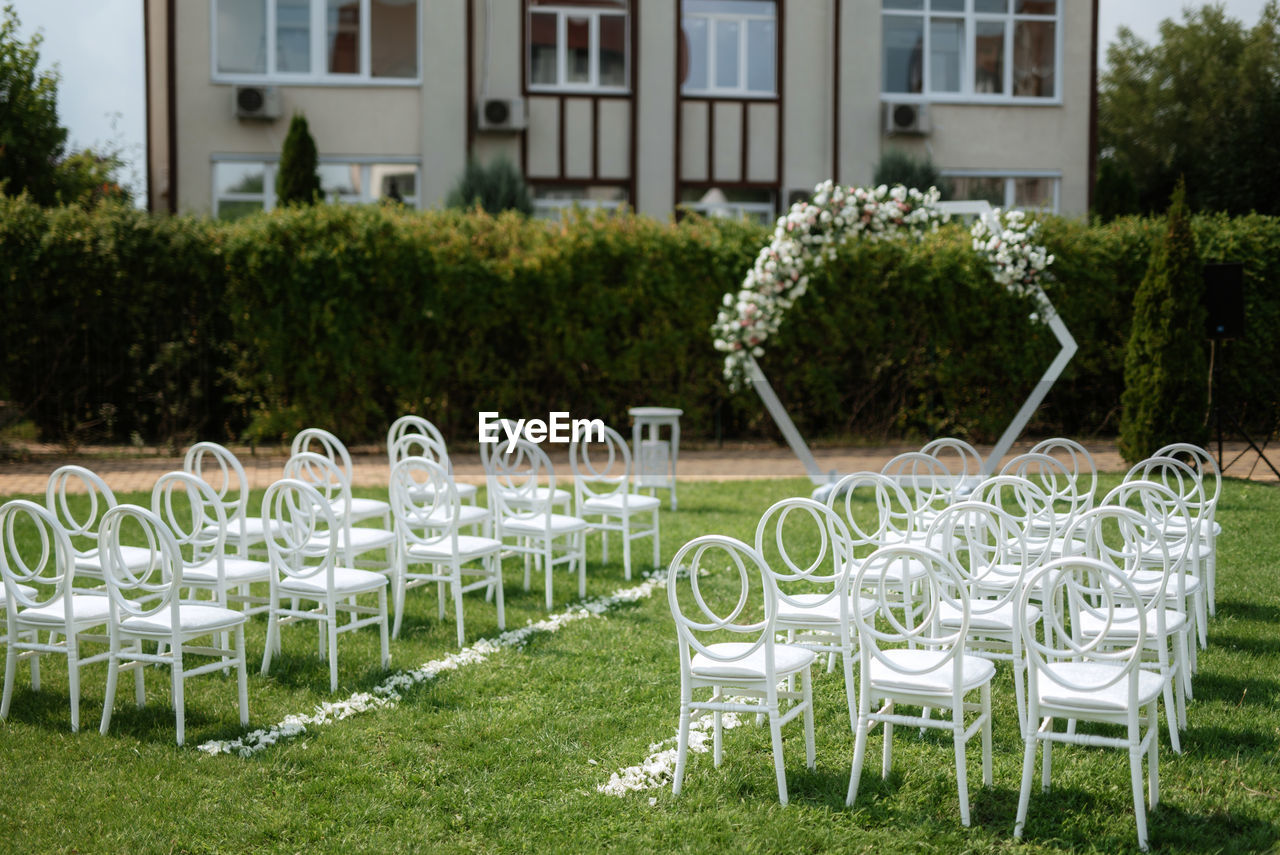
x=495, y=188
x=297, y=182
x=1165, y=366
x=897, y=166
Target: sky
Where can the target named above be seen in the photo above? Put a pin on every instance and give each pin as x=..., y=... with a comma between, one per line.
x=96, y=45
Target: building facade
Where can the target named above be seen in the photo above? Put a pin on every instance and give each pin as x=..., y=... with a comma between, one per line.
x=724, y=106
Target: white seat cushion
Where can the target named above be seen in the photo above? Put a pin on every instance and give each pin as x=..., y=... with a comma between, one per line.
x=192, y=618
x=893, y=571
x=27, y=591
x=787, y=659
x=808, y=609
x=362, y=539
x=235, y=570
x=540, y=524
x=985, y=615
x=540, y=494
x=86, y=609
x=250, y=528
x=1086, y=674
x=1125, y=623
x=935, y=671
x=468, y=515
x=636, y=503
x=469, y=547
x=346, y=580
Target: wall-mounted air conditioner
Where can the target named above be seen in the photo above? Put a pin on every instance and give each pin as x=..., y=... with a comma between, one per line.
x=502, y=114
x=901, y=118
x=257, y=102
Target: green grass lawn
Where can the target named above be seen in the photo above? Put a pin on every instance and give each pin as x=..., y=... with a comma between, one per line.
x=507, y=755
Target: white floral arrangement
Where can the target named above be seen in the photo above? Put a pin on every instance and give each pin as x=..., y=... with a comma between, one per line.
x=812, y=232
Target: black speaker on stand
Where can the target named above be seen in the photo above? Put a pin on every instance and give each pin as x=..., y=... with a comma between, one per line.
x=1223, y=299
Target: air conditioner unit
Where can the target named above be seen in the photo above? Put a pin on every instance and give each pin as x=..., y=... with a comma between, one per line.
x=900, y=118
x=257, y=102
x=502, y=114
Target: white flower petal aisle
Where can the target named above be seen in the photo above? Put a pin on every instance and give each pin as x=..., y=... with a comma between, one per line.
x=390, y=692
x=659, y=768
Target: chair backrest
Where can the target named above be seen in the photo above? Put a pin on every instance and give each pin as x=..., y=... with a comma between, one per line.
x=1078, y=462
x=421, y=445
x=748, y=616
x=70, y=480
x=1070, y=588
x=979, y=540
x=961, y=459
x=1202, y=462
x=897, y=621
x=1129, y=541
x=875, y=509
x=410, y=425
x=322, y=473
x=600, y=468
x=301, y=531
x=35, y=551
x=811, y=555
x=1179, y=478
x=323, y=442
x=521, y=481
x=221, y=470
x=140, y=589
x=1067, y=492
x=924, y=479
x=194, y=514
x=1029, y=505
x=424, y=503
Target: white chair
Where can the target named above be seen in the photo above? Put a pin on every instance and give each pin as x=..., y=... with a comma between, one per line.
x=927, y=484
x=217, y=466
x=961, y=459
x=146, y=607
x=1078, y=463
x=811, y=580
x=934, y=671
x=304, y=548
x=417, y=426
x=67, y=482
x=743, y=676
x=1206, y=468
x=37, y=563
x=1063, y=489
x=323, y=442
x=193, y=513
x=1125, y=540
x=1097, y=678
x=602, y=487
x=426, y=511
x=525, y=520
x=331, y=482
x=414, y=444
x=560, y=498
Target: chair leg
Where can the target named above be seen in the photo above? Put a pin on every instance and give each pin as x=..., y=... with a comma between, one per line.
x=10, y=672
x=109, y=697
x=1171, y=713
x=1135, y=777
x=807, y=700
x=1153, y=758
x=657, y=542
x=1046, y=759
x=717, y=733
x=242, y=677
x=273, y=631
x=457, y=607
x=382, y=627
x=779, y=767
x=139, y=680
x=496, y=570
x=886, y=760
x=1028, y=769
x=682, y=749
x=331, y=624
x=962, y=768
x=987, y=774
x=400, y=583
x=547, y=571
x=73, y=677
x=859, y=752
x=179, y=701
x=579, y=542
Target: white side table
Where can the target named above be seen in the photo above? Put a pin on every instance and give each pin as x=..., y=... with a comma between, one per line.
x=655, y=457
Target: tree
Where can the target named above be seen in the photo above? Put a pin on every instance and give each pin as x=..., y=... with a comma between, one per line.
x=901, y=167
x=1165, y=367
x=31, y=140
x=1203, y=104
x=297, y=181
x=496, y=187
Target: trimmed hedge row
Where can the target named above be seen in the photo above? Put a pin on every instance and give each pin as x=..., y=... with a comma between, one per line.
x=116, y=322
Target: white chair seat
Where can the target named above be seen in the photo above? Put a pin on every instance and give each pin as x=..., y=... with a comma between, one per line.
x=635, y=502
x=1114, y=697
x=1199, y=551
x=540, y=523
x=934, y=672
x=135, y=558
x=26, y=590
x=540, y=495
x=914, y=570
x=362, y=538
x=236, y=571
x=346, y=580
x=787, y=659
x=1125, y=623
x=468, y=515
x=250, y=528
x=469, y=547
x=994, y=618
x=916, y=538
x=1147, y=582
x=998, y=577
x=466, y=492
x=360, y=508
x=86, y=610
x=809, y=609
x=192, y=618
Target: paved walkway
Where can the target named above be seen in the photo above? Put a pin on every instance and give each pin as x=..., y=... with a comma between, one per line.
x=730, y=462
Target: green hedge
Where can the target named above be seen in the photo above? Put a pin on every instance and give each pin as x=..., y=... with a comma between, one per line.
x=346, y=317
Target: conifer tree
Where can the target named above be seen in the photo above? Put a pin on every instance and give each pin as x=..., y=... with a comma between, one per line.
x=297, y=181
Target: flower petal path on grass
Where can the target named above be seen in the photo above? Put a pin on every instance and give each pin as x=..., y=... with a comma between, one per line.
x=389, y=692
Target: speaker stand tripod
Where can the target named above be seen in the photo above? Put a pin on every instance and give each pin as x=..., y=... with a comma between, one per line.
x=1215, y=394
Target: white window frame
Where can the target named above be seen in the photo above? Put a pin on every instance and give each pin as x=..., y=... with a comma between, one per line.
x=1010, y=178
x=563, y=13
x=971, y=18
x=318, y=35
x=270, y=164
x=714, y=19
x=552, y=209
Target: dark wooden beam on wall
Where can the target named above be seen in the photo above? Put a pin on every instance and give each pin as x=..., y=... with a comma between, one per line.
x=171, y=98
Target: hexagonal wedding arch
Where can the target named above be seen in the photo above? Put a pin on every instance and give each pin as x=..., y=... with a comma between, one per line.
x=810, y=235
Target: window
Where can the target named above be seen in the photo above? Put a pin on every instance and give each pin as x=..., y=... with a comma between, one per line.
x=550, y=201
x=316, y=41
x=738, y=203
x=987, y=50
x=578, y=45
x=729, y=48
x=1028, y=190
x=241, y=187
